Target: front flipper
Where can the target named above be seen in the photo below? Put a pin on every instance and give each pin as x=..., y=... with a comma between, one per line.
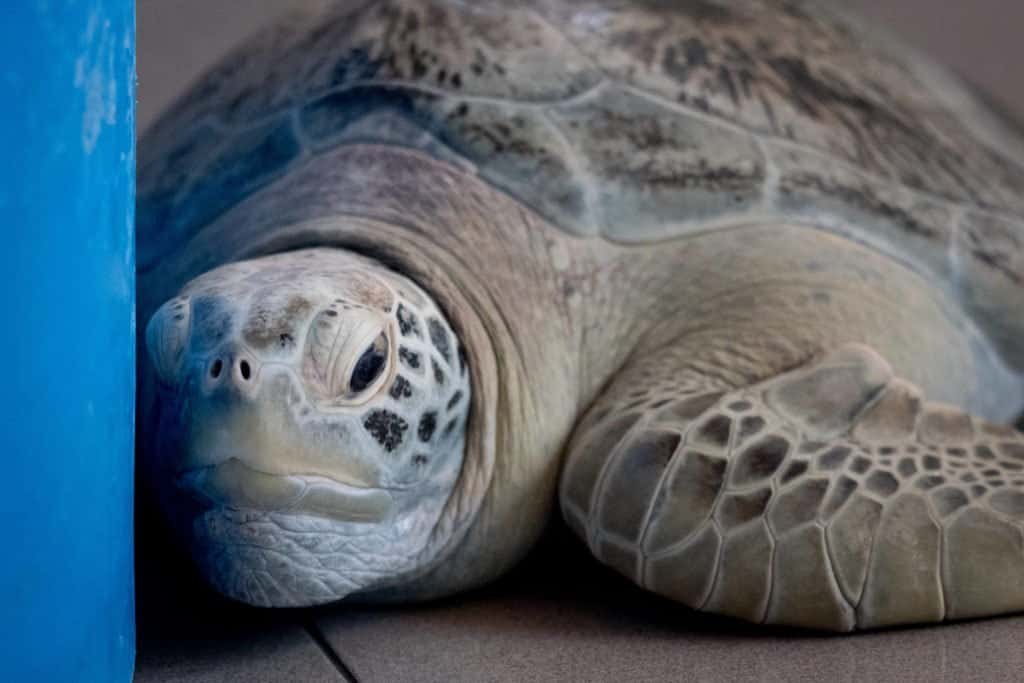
x=831, y=496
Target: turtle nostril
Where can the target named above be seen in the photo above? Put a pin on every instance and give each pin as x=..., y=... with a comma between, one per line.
x=244, y=368
x=215, y=369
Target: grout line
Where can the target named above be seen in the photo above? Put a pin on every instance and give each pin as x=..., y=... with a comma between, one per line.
x=318, y=637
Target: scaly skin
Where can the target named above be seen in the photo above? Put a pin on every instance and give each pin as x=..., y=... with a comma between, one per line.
x=537, y=361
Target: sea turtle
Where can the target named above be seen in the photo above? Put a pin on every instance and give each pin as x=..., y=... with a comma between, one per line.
x=738, y=287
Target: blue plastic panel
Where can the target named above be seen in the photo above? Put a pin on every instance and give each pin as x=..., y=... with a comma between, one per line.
x=66, y=340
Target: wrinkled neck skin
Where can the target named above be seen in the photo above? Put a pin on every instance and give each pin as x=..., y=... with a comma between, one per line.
x=497, y=271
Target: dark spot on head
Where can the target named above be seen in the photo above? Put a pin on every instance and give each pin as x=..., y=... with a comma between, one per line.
x=408, y=323
x=269, y=323
x=930, y=462
x=450, y=427
x=244, y=369
x=456, y=397
x=428, y=423
x=886, y=450
x=956, y=452
x=419, y=460
x=439, y=338
x=386, y=427
x=331, y=312
x=215, y=369
x=400, y=388
x=740, y=406
x=410, y=358
x=438, y=372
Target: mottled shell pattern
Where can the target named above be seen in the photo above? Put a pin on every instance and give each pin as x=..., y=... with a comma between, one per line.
x=632, y=122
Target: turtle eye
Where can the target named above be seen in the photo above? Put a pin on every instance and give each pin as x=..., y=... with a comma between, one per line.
x=370, y=365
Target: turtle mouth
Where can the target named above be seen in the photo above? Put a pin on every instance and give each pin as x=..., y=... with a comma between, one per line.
x=233, y=484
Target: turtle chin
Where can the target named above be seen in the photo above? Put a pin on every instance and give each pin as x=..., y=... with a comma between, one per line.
x=284, y=559
x=272, y=540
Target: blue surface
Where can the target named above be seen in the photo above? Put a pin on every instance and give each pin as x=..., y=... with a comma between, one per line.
x=67, y=340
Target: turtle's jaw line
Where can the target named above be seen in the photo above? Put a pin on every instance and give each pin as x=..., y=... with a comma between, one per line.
x=235, y=485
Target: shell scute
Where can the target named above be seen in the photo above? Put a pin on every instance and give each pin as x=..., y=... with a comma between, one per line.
x=634, y=121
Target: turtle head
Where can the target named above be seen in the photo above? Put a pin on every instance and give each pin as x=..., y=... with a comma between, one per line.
x=310, y=425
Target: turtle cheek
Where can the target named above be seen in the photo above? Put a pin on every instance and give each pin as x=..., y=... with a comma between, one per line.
x=167, y=337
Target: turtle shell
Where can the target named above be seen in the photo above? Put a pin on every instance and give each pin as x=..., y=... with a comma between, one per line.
x=634, y=122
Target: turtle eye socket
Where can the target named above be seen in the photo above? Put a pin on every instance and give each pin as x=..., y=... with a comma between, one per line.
x=370, y=365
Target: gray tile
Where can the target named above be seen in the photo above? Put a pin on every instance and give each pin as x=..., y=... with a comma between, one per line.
x=281, y=653
x=558, y=619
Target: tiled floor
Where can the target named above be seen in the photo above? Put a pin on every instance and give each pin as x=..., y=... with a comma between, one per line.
x=558, y=618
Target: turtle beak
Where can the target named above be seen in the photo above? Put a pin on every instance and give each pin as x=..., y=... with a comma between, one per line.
x=239, y=449
x=235, y=484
